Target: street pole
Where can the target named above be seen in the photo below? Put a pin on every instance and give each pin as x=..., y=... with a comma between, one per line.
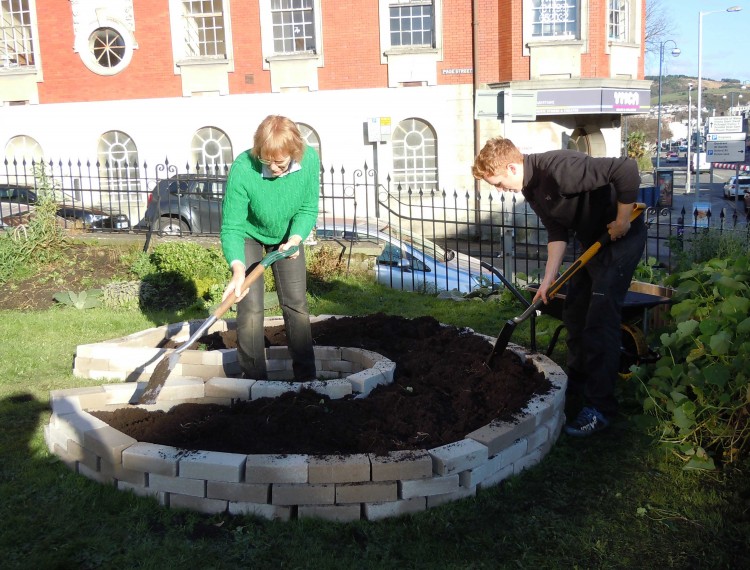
x=690, y=136
x=675, y=53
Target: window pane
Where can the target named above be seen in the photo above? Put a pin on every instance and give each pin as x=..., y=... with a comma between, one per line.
x=203, y=24
x=555, y=18
x=411, y=24
x=414, y=156
x=293, y=25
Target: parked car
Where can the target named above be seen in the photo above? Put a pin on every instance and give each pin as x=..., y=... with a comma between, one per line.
x=673, y=157
x=410, y=262
x=733, y=190
x=19, y=201
x=185, y=203
x=699, y=160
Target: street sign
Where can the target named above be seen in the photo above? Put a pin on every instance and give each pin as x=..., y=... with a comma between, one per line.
x=725, y=151
x=731, y=124
x=725, y=137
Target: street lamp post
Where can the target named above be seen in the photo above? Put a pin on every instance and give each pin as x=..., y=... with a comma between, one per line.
x=731, y=98
x=675, y=53
x=699, y=143
x=690, y=136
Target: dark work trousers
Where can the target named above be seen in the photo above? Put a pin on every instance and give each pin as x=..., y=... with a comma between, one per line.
x=291, y=288
x=592, y=314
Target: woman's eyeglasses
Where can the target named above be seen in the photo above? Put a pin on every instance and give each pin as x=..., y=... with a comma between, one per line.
x=280, y=163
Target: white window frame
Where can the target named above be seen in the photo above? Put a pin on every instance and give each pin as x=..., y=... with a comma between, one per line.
x=546, y=9
x=404, y=18
x=180, y=51
x=120, y=172
x=618, y=21
x=195, y=29
x=211, y=161
x=414, y=175
x=24, y=34
x=387, y=48
x=267, y=36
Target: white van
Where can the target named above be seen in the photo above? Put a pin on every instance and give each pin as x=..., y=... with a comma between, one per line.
x=732, y=190
x=704, y=165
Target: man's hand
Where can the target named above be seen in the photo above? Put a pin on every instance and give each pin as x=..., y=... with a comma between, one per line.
x=621, y=224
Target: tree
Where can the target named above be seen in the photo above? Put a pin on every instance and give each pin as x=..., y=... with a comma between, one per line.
x=657, y=25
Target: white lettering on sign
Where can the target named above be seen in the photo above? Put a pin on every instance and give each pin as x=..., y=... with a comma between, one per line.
x=627, y=99
x=460, y=71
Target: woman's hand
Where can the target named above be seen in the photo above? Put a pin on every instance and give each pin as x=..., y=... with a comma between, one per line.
x=294, y=240
x=235, y=283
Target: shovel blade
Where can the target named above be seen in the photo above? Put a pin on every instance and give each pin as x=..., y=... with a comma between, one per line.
x=502, y=340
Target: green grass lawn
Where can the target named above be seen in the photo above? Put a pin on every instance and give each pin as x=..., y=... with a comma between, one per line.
x=612, y=501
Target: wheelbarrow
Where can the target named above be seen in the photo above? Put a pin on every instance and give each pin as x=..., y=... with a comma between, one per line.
x=634, y=348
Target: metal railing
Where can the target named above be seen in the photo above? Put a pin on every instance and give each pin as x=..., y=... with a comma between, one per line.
x=458, y=229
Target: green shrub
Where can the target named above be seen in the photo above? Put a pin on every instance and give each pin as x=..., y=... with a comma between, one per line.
x=696, y=397
x=184, y=264
x=703, y=244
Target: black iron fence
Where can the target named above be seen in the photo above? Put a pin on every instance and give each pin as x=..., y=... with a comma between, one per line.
x=422, y=239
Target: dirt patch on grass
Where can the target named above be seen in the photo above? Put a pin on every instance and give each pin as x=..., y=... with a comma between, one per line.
x=442, y=390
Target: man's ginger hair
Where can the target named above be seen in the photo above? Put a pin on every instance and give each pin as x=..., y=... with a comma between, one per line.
x=496, y=155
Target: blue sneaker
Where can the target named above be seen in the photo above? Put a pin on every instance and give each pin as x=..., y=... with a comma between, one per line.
x=589, y=421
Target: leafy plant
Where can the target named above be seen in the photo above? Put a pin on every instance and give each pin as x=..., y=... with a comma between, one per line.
x=650, y=271
x=698, y=391
x=83, y=300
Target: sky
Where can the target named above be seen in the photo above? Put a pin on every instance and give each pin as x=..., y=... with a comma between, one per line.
x=725, y=39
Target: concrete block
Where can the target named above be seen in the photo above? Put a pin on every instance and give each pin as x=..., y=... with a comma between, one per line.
x=200, y=504
x=108, y=443
x=151, y=458
x=369, y=492
x=458, y=456
x=460, y=493
x=428, y=487
x=378, y=511
x=213, y=465
x=498, y=435
x=327, y=352
x=119, y=473
x=75, y=425
x=122, y=393
x=269, y=512
x=234, y=388
x=178, y=485
x=365, y=381
x=265, y=468
x=527, y=461
x=334, y=389
x=136, y=489
x=335, y=513
x=272, y=389
x=303, y=494
x=238, y=492
x=351, y=468
x=182, y=387
x=401, y=465
x=95, y=475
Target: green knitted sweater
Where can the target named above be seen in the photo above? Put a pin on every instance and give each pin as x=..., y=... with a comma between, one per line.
x=268, y=210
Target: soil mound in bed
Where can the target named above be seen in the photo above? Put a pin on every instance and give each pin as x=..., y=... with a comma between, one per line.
x=442, y=390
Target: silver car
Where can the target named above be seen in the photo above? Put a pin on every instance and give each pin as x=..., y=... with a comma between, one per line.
x=411, y=262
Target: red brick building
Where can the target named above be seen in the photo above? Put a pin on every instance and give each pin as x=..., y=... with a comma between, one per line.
x=412, y=87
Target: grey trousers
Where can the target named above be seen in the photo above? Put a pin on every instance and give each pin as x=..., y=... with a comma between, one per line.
x=291, y=288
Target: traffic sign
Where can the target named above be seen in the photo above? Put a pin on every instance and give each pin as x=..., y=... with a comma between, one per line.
x=725, y=137
x=725, y=151
x=731, y=124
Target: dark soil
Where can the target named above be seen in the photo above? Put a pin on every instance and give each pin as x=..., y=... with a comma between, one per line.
x=442, y=390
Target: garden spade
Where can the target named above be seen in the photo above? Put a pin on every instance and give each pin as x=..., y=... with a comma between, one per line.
x=168, y=362
x=510, y=325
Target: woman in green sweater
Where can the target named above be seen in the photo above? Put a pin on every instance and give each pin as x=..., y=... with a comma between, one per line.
x=271, y=203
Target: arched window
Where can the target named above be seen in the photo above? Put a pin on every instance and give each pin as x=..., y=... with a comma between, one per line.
x=415, y=156
x=311, y=138
x=211, y=150
x=118, y=161
x=23, y=148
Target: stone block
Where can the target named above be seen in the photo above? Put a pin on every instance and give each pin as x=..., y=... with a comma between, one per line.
x=428, y=487
x=266, y=511
x=272, y=389
x=397, y=465
x=200, y=504
x=350, y=468
x=369, y=492
x=234, y=388
x=108, y=443
x=213, y=465
x=378, y=511
x=290, y=468
x=458, y=456
x=151, y=458
x=238, y=492
x=303, y=494
x=178, y=485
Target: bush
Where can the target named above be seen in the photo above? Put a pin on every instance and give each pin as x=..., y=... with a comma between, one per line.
x=696, y=397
